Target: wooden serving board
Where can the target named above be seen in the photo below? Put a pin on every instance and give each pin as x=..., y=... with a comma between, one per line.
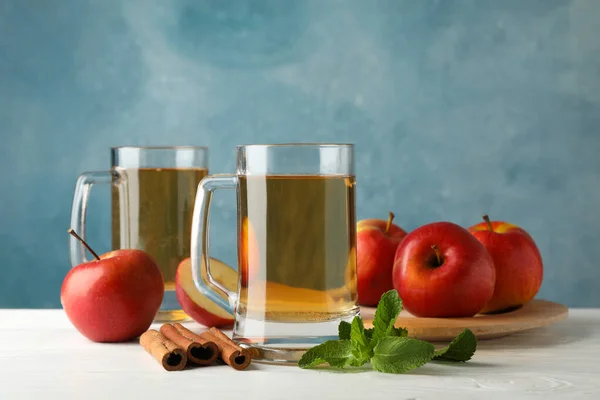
x=535, y=314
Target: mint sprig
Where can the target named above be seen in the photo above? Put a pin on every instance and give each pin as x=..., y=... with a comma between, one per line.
x=386, y=347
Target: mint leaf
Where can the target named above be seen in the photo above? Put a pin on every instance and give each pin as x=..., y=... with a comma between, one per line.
x=387, y=311
x=400, y=354
x=401, y=332
x=360, y=343
x=337, y=353
x=357, y=333
x=344, y=330
x=461, y=349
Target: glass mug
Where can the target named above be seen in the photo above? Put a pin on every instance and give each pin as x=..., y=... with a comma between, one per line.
x=153, y=190
x=296, y=230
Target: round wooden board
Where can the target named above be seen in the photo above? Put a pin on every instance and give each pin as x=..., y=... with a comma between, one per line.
x=535, y=314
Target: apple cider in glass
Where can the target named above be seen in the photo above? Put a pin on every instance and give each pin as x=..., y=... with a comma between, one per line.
x=159, y=203
x=296, y=247
x=297, y=250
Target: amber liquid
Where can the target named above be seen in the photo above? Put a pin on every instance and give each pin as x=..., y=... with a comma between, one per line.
x=159, y=203
x=300, y=247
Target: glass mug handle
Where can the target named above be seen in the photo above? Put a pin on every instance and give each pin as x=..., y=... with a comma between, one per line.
x=210, y=287
x=79, y=211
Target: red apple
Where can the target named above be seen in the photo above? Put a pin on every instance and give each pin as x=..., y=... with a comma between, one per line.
x=248, y=252
x=376, y=243
x=518, y=262
x=441, y=270
x=114, y=298
x=195, y=304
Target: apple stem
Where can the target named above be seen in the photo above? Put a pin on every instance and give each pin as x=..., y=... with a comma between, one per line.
x=488, y=222
x=87, y=246
x=389, y=222
x=438, y=256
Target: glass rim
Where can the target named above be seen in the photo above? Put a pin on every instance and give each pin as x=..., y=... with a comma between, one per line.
x=299, y=144
x=115, y=148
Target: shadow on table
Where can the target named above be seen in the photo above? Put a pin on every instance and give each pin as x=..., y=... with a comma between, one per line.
x=347, y=370
x=569, y=331
x=436, y=368
x=446, y=368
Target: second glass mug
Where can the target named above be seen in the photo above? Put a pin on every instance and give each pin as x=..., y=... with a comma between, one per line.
x=152, y=194
x=296, y=247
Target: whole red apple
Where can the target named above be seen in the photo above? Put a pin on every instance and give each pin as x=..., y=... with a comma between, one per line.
x=376, y=243
x=441, y=270
x=518, y=263
x=113, y=298
x=195, y=304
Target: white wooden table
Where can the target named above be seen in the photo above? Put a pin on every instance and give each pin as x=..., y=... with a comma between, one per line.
x=43, y=357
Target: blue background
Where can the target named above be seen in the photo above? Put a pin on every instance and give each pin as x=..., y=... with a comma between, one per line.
x=456, y=108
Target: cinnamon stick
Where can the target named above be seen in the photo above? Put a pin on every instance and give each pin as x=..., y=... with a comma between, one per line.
x=166, y=352
x=198, y=349
x=233, y=355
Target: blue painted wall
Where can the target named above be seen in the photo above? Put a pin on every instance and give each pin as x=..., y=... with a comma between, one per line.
x=456, y=107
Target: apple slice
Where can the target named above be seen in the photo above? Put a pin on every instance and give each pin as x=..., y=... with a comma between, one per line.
x=195, y=304
x=248, y=253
